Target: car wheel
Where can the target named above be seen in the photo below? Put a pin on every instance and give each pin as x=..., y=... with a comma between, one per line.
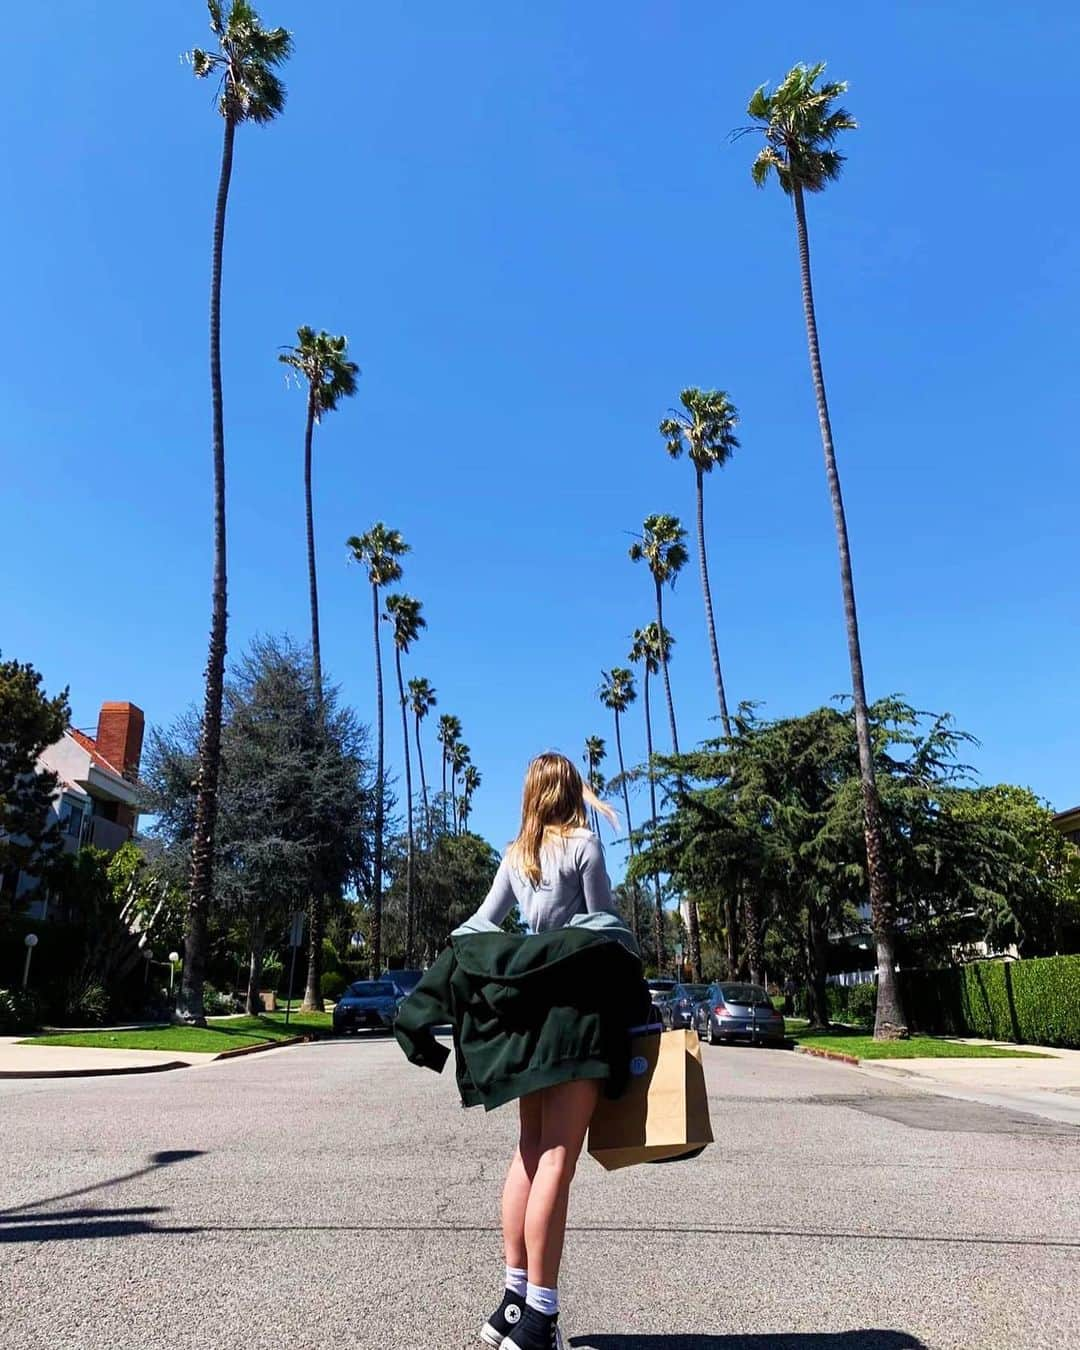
x=714, y=1039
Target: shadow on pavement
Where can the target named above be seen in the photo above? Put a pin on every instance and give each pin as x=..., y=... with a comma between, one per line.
x=34, y=1222
x=814, y=1340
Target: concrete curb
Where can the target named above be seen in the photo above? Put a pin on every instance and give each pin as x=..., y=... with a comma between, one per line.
x=95, y=1073
x=153, y=1068
x=261, y=1046
x=837, y=1055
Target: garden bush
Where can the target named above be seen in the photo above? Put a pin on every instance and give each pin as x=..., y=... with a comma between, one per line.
x=862, y=1003
x=19, y=1011
x=217, y=1004
x=332, y=985
x=1035, y=1002
x=86, y=1003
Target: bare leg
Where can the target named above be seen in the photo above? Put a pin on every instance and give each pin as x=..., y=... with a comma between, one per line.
x=567, y=1110
x=519, y=1180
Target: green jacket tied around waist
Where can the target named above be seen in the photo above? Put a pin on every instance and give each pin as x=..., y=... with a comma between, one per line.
x=528, y=1012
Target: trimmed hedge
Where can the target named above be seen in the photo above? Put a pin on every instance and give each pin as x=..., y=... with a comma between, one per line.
x=1035, y=1002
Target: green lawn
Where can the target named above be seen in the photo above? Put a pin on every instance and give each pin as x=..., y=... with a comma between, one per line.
x=227, y=1033
x=852, y=1041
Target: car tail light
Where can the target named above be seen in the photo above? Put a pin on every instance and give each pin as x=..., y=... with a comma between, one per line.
x=722, y=1010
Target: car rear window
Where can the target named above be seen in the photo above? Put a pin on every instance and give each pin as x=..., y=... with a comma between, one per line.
x=696, y=990
x=661, y=986
x=745, y=993
x=371, y=989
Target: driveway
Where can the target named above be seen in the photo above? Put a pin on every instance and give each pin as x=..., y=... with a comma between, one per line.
x=332, y=1195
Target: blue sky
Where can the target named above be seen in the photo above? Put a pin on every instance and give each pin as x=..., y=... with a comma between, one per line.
x=532, y=226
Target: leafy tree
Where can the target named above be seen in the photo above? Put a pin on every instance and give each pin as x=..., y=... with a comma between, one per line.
x=706, y=428
x=801, y=126
x=320, y=360
x=1034, y=899
x=421, y=701
x=617, y=692
x=245, y=64
x=403, y=612
x=378, y=551
x=652, y=646
x=296, y=810
x=30, y=722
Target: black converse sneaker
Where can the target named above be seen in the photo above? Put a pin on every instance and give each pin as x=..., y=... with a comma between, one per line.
x=504, y=1319
x=535, y=1331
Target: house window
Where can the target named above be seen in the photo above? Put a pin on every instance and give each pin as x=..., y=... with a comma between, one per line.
x=71, y=818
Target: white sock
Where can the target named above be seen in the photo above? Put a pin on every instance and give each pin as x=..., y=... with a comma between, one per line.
x=517, y=1281
x=543, y=1300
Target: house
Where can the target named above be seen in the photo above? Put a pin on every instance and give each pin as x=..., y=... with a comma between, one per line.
x=96, y=799
x=1068, y=822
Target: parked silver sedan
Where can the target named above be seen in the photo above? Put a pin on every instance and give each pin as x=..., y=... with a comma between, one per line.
x=733, y=1011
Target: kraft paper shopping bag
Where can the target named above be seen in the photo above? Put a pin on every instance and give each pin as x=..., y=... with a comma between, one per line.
x=664, y=1113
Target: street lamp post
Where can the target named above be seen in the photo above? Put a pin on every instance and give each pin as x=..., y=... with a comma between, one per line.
x=31, y=942
x=173, y=958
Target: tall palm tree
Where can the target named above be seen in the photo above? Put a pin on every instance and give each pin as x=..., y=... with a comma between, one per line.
x=378, y=551
x=617, y=692
x=244, y=62
x=421, y=700
x=801, y=125
x=403, y=612
x=652, y=647
x=661, y=546
x=320, y=360
x=449, y=734
x=595, y=754
x=460, y=759
x=707, y=428
x=470, y=781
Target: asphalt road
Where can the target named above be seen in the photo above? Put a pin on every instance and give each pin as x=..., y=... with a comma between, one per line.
x=334, y=1196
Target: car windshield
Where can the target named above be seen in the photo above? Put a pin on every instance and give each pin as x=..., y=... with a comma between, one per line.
x=697, y=991
x=406, y=980
x=371, y=989
x=745, y=993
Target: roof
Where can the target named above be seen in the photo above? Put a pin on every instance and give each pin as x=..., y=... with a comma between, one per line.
x=90, y=746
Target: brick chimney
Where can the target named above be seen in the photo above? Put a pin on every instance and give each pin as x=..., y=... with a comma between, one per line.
x=120, y=735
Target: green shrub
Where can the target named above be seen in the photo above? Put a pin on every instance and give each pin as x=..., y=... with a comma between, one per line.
x=86, y=1004
x=217, y=1004
x=330, y=959
x=836, y=1002
x=862, y=1003
x=19, y=1011
x=332, y=985
x=1035, y=1002
x=354, y=970
x=273, y=972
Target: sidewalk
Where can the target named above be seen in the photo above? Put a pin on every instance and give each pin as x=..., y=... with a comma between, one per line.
x=53, y=1061
x=1043, y=1087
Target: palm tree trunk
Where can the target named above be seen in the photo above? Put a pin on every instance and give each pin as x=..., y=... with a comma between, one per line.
x=453, y=798
x=313, y=588
x=444, y=789
x=658, y=914
x=377, y=864
x=752, y=924
x=423, y=782
x=635, y=917
x=731, y=932
x=189, y=1007
x=410, y=918
x=664, y=667
x=258, y=942
x=707, y=592
x=890, y=1013
x=313, y=999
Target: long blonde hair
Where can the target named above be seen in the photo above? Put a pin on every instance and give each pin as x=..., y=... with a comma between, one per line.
x=553, y=803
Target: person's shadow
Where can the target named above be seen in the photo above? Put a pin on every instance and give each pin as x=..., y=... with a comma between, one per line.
x=813, y=1340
